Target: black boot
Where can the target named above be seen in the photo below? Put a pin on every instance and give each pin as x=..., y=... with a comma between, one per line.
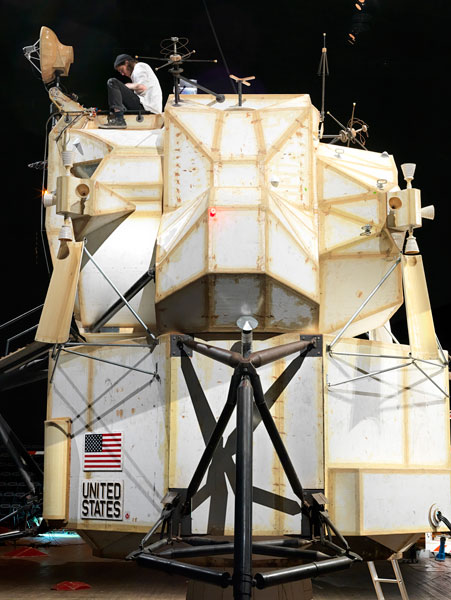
x=115, y=121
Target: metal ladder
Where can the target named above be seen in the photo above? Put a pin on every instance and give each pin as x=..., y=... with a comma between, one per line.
x=378, y=580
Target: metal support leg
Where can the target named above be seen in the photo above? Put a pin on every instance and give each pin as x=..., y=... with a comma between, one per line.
x=278, y=444
x=214, y=439
x=242, y=577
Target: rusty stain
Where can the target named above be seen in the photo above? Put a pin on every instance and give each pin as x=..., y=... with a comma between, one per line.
x=359, y=294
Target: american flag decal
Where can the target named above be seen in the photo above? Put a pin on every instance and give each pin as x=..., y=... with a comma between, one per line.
x=103, y=452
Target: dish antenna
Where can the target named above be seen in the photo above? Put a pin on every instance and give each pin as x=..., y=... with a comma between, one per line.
x=48, y=56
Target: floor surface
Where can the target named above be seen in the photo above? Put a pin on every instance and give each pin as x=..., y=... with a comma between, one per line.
x=34, y=577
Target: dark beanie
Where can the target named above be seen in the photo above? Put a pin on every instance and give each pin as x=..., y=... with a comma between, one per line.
x=121, y=58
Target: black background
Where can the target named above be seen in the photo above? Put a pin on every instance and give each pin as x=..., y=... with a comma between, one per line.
x=397, y=71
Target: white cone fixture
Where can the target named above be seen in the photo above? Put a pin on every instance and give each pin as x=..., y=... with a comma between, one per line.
x=411, y=245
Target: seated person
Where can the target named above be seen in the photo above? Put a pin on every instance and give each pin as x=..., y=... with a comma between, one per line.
x=143, y=93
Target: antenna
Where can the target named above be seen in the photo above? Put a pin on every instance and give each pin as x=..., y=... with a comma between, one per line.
x=348, y=133
x=171, y=50
x=323, y=70
x=48, y=56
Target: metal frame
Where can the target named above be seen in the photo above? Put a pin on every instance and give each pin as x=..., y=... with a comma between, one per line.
x=128, y=295
x=245, y=391
x=124, y=300
x=412, y=360
x=364, y=303
x=57, y=349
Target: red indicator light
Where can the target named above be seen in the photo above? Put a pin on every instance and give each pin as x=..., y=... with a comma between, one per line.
x=212, y=211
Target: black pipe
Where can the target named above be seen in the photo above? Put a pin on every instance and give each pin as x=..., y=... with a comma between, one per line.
x=257, y=359
x=221, y=579
x=195, y=551
x=283, y=552
x=278, y=444
x=269, y=355
x=293, y=542
x=129, y=294
x=214, y=440
x=227, y=357
x=264, y=580
x=219, y=97
x=329, y=523
x=202, y=541
x=228, y=548
x=242, y=575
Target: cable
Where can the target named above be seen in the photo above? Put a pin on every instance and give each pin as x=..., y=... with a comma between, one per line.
x=219, y=47
x=42, y=225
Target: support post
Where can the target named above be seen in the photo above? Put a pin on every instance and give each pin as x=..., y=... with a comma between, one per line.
x=242, y=577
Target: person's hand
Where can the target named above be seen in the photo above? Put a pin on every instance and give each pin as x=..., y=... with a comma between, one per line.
x=129, y=85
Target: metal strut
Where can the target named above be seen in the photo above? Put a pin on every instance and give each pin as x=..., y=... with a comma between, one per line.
x=245, y=388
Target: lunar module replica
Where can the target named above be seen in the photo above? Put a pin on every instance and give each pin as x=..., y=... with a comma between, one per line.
x=236, y=408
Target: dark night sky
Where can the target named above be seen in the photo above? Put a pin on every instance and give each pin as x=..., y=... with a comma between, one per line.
x=396, y=72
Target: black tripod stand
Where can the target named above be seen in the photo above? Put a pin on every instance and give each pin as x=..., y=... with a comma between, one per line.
x=245, y=389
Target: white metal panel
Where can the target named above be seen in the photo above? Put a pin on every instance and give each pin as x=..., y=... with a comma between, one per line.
x=200, y=122
x=146, y=138
x=117, y=168
x=88, y=146
x=345, y=501
x=174, y=225
x=291, y=165
x=337, y=185
x=238, y=137
x=365, y=167
x=339, y=301
x=100, y=398
x=189, y=257
x=289, y=262
x=236, y=174
x=236, y=237
x=365, y=418
x=233, y=195
x=276, y=121
x=397, y=502
x=188, y=167
x=428, y=423
x=366, y=208
x=124, y=256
